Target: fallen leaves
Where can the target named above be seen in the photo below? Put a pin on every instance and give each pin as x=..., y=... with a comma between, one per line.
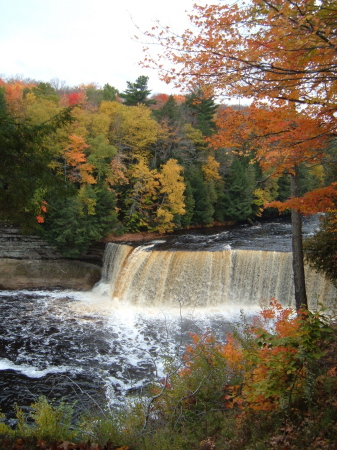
x=21, y=444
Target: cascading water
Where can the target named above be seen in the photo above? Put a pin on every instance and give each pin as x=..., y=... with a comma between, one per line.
x=101, y=345
x=146, y=276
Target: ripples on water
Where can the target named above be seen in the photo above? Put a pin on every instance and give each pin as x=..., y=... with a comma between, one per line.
x=272, y=235
x=86, y=347
x=89, y=348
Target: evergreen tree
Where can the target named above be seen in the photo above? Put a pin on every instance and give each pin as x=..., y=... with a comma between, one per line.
x=203, y=209
x=170, y=112
x=220, y=203
x=185, y=220
x=45, y=90
x=109, y=93
x=320, y=250
x=25, y=173
x=73, y=223
x=137, y=92
x=202, y=110
x=94, y=95
x=239, y=186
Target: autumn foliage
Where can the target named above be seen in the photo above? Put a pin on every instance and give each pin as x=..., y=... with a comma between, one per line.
x=176, y=162
x=271, y=382
x=270, y=370
x=280, y=55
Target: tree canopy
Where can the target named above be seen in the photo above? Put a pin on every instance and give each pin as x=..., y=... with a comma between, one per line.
x=282, y=56
x=83, y=156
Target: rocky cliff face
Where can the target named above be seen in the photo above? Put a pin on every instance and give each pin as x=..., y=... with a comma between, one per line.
x=29, y=262
x=15, y=245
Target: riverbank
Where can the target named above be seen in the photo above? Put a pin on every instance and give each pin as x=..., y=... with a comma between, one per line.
x=28, y=262
x=44, y=274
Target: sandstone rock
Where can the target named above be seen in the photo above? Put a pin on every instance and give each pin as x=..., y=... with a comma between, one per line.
x=37, y=273
x=27, y=261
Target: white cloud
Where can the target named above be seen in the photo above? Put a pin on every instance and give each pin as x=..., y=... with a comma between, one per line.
x=83, y=41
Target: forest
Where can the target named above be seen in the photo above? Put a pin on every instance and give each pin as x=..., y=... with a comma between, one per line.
x=80, y=163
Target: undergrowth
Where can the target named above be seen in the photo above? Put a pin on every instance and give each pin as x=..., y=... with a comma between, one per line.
x=271, y=385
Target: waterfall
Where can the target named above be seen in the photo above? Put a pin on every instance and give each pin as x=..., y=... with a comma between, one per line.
x=145, y=276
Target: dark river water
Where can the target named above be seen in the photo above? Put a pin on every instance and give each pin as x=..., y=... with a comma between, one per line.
x=272, y=235
x=95, y=350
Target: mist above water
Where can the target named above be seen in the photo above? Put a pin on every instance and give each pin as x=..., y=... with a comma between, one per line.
x=101, y=346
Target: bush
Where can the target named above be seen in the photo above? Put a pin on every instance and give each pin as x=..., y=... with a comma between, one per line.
x=272, y=384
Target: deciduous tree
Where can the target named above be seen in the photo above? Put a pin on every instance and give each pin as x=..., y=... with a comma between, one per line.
x=265, y=50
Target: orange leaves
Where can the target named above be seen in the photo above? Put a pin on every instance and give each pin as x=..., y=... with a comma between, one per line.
x=75, y=158
x=40, y=219
x=233, y=354
x=318, y=200
x=14, y=96
x=43, y=210
x=282, y=139
x=270, y=359
x=256, y=49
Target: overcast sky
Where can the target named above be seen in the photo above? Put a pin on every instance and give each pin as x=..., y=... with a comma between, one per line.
x=83, y=41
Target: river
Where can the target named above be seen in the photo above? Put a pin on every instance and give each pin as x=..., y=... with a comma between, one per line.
x=99, y=347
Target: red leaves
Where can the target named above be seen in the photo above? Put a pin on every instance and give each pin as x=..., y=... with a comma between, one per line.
x=75, y=98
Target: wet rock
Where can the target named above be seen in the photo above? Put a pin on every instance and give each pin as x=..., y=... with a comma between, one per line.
x=38, y=273
x=27, y=261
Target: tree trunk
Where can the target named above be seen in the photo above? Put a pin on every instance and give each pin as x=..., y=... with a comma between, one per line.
x=297, y=248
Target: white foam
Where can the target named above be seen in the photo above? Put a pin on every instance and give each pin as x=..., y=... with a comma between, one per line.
x=31, y=371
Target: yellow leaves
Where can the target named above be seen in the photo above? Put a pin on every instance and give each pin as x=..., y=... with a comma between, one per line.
x=132, y=129
x=30, y=98
x=211, y=169
x=118, y=172
x=261, y=197
x=40, y=111
x=157, y=196
x=109, y=108
x=164, y=219
x=146, y=179
x=87, y=200
x=173, y=186
x=100, y=124
x=195, y=135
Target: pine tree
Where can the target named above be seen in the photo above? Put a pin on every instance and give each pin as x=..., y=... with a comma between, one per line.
x=137, y=92
x=239, y=187
x=202, y=110
x=170, y=111
x=203, y=209
x=109, y=93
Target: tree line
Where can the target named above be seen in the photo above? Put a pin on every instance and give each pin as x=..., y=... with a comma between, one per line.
x=143, y=160
x=80, y=163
